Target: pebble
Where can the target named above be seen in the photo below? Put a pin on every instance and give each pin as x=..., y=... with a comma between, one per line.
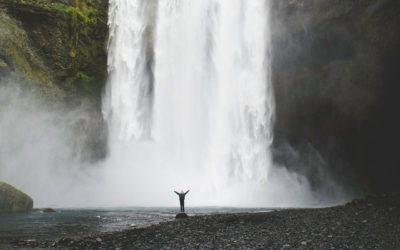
x=274, y=230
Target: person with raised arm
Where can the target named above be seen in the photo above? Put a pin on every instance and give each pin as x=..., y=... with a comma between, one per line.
x=182, y=199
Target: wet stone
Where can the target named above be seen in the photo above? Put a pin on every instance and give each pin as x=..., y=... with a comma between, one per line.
x=181, y=216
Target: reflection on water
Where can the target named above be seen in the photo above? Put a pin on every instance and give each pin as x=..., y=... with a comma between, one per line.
x=75, y=223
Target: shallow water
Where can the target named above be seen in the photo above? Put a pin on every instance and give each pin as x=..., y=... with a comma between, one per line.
x=74, y=223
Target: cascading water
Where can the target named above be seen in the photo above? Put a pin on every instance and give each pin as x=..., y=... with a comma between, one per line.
x=189, y=101
x=189, y=104
x=129, y=95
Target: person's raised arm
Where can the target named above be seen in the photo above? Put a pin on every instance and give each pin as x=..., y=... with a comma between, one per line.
x=187, y=191
x=176, y=192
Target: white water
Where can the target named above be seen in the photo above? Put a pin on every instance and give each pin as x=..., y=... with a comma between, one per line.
x=190, y=104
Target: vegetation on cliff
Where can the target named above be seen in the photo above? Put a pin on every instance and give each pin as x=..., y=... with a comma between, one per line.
x=57, y=46
x=56, y=49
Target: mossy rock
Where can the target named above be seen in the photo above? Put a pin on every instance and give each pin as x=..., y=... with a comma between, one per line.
x=48, y=210
x=13, y=200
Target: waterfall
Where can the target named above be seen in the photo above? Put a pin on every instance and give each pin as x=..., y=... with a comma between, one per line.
x=188, y=104
x=189, y=101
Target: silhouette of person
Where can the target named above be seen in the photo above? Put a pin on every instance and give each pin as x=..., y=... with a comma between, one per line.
x=182, y=199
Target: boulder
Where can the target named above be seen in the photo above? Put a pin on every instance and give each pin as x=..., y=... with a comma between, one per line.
x=13, y=200
x=48, y=210
x=181, y=216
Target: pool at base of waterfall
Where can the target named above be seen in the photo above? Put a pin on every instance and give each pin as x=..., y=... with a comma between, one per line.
x=76, y=223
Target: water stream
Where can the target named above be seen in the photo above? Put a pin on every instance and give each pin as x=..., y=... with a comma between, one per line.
x=189, y=101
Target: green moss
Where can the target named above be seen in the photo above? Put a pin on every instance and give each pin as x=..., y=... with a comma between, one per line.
x=13, y=200
x=85, y=78
x=48, y=210
x=72, y=53
x=60, y=46
x=83, y=20
x=60, y=7
x=83, y=82
x=84, y=48
x=25, y=64
x=24, y=61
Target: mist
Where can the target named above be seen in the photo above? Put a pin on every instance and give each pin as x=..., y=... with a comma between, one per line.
x=41, y=152
x=184, y=125
x=41, y=148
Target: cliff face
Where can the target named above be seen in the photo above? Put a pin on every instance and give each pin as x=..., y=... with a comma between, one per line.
x=59, y=45
x=336, y=81
x=56, y=49
x=335, y=76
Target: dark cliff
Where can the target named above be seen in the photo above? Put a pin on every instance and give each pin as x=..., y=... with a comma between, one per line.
x=335, y=75
x=59, y=45
x=56, y=50
x=336, y=81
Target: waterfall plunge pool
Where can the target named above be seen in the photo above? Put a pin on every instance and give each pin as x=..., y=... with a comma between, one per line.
x=77, y=223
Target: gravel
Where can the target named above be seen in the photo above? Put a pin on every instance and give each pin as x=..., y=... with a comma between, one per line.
x=372, y=223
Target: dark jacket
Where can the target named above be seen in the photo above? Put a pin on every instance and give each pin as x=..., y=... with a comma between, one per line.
x=182, y=196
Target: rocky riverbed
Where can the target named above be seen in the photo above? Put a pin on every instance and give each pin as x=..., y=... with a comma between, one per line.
x=373, y=223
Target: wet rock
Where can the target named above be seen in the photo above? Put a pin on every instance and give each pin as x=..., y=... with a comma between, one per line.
x=325, y=47
x=14, y=200
x=48, y=210
x=3, y=68
x=39, y=42
x=65, y=241
x=181, y=216
x=293, y=229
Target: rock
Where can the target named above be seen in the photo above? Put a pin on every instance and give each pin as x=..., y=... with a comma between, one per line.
x=3, y=67
x=58, y=48
x=330, y=80
x=14, y=200
x=271, y=230
x=48, y=210
x=65, y=241
x=181, y=216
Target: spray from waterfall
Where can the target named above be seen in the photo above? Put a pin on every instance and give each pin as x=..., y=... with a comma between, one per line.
x=190, y=103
